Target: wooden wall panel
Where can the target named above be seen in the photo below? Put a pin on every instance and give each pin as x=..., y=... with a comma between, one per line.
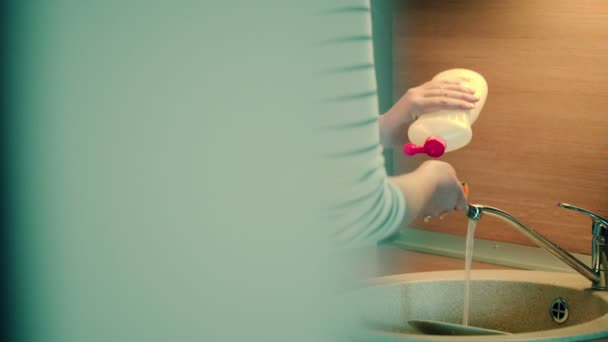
x=542, y=137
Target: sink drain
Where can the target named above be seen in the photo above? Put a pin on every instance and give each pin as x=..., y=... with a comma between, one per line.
x=559, y=311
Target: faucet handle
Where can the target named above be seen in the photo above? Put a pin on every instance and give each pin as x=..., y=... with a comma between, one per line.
x=597, y=219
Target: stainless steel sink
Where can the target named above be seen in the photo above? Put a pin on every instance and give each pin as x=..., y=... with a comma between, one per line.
x=532, y=305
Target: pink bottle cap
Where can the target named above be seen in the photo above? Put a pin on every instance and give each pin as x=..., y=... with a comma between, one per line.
x=433, y=146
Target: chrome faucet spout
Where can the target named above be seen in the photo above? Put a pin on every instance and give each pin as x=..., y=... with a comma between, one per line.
x=596, y=276
x=474, y=212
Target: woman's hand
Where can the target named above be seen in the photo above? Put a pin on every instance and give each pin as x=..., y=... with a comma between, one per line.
x=431, y=190
x=447, y=194
x=428, y=97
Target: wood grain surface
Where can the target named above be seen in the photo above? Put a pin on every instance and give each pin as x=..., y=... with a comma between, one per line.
x=542, y=137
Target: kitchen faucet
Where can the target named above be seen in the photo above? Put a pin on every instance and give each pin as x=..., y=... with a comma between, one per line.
x=597, y=273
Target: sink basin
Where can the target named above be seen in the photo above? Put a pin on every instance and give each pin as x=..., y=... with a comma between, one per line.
x=524, y=303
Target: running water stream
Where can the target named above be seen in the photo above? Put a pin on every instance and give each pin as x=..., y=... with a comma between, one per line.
x=467, y=271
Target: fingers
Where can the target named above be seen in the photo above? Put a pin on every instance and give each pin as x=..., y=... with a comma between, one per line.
x=448, y=197
x=429, y=104
x=449, y=85
x=460, y=95
x=461, y=205
x=439, y=95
